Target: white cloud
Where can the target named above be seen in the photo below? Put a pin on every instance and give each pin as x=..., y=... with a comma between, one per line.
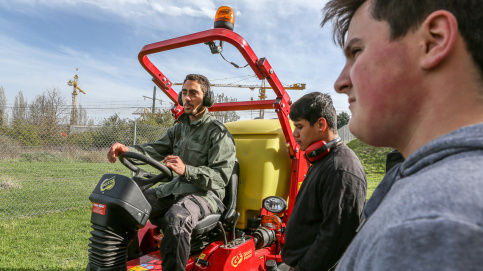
x=32, y=70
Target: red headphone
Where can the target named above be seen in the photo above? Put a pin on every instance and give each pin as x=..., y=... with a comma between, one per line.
x=319, y=149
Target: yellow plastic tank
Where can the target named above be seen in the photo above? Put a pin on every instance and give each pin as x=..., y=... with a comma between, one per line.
x=264, y=164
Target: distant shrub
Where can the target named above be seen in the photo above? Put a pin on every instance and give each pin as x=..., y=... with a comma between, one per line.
x=84, y=140
x=10, y=147
x=26, y=134
x=114, y=129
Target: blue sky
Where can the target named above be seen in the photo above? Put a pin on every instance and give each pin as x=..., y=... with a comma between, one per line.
x=43, y=42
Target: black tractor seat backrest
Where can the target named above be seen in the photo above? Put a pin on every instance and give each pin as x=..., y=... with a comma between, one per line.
x=231, y=190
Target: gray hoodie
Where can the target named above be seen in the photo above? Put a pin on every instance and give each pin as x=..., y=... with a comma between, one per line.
x=427, y=213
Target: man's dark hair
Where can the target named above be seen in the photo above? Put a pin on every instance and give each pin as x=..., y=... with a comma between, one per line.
x=202, y=80
x=406, y=15
x=312, y=107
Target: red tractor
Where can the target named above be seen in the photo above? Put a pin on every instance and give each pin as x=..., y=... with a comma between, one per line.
x=249, y=235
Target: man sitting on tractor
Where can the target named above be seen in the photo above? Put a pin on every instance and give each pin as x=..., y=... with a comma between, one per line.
x=201, y=151
x=328, y=207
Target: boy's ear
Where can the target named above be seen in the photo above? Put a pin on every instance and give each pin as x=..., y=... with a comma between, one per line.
x=322, y=123
x=439, y=32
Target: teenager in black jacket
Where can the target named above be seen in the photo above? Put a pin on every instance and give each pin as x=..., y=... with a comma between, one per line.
x=328, y=206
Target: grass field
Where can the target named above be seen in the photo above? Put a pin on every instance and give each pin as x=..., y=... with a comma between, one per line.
x=34, y=187
x=374, y=162
x=58, y=241
x=53, y=240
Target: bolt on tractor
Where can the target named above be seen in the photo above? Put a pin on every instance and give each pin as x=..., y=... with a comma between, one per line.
x=270, y=168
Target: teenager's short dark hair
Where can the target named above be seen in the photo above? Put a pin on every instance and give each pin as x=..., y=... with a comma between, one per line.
x=202, y=80
x=406, y=15
x=312, y=107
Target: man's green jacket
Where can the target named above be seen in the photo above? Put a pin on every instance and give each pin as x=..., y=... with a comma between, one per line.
x=208, y=151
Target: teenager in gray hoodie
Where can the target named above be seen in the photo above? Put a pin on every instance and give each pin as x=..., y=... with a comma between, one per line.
x=414, y=78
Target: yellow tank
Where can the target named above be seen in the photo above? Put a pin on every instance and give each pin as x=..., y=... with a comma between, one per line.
x=264, y=164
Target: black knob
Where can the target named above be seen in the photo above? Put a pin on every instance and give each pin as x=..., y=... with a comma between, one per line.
x=271, y=265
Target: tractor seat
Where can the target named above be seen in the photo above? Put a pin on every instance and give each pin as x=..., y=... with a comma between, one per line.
x=209, y=223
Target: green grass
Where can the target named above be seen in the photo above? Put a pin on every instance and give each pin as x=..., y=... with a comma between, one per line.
x=58, y=241
x=53, y=240
x=374, y=162
x=31, y=188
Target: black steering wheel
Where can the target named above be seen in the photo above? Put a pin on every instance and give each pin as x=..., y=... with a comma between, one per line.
x=143, y=178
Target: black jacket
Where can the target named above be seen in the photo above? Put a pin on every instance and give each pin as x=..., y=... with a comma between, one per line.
x=326, y=212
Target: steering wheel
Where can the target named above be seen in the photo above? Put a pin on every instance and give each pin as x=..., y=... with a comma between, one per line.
x=142, y=177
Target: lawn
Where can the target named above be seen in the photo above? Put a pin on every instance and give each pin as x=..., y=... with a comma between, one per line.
x=49, y=201
x=34, y=187
x=55, y=241
x=374, y=162
x=58, y=241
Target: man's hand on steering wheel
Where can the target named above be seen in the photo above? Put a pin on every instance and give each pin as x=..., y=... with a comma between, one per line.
x=175, y=164
x=142, y=177
x=115, y=150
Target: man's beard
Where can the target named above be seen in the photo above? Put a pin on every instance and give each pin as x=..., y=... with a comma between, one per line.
x=195, y=111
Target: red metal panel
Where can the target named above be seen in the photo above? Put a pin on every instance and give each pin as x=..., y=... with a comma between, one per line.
x=299, y=169
x=247, y=105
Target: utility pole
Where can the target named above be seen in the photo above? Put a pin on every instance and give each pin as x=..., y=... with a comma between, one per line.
x=154, y=98
x=153, y=108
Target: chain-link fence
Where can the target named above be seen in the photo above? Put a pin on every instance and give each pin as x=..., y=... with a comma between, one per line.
x=48, y=165
x=45, y=173
x=345, y=134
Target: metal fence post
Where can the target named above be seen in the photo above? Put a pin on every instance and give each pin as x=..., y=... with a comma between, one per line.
x=135, y=128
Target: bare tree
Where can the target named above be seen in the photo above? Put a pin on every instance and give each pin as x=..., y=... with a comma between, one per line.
x=19, y=111
x=225, y=116
x=49, y=112
x=3, y=107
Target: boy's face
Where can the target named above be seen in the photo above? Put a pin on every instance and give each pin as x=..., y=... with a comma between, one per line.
x=381, y=79
x=305, y=134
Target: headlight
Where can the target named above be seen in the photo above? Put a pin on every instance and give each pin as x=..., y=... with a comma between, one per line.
x=274, y=204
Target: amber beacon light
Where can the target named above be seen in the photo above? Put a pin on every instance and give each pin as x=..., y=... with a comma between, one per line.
x=225, y=18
